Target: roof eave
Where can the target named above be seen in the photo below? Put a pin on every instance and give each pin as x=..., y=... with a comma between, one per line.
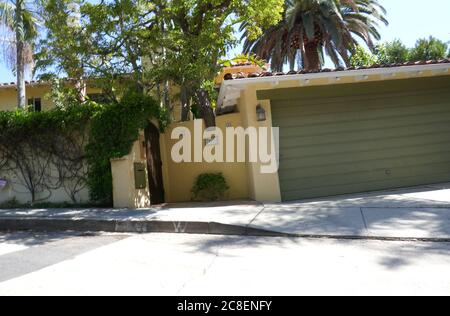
x=230, y=89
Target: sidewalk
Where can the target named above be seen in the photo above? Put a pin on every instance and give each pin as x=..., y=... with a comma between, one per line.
x=420, y=213
x=406, y=213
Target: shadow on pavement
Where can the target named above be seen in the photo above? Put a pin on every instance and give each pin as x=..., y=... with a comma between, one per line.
x=52, y=249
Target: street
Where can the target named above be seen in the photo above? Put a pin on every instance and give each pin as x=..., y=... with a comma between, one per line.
x=179, y=264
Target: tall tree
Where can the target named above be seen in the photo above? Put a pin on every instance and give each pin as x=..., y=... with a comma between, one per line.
x=103, y=43
x=59, y=50
x=429, y=49
x=19, y=17
x=153, y=42
x=311, y=28
x=392, y=52
x=195, y=35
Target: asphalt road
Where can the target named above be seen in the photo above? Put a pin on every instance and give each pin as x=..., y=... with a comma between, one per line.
x=169, y=264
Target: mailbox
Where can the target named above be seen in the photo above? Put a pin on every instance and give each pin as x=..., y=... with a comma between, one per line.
x=140, y=177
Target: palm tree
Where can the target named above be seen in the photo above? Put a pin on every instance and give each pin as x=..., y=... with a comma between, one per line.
x=311, y=28
x=18, y=17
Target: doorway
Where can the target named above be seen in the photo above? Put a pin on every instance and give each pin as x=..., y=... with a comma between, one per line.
x=154, y=165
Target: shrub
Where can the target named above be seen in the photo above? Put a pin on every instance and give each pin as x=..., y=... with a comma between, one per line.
x=429, y=49
x=394, y=52
x=363, y=57
x=112, y=134
x=209, y=187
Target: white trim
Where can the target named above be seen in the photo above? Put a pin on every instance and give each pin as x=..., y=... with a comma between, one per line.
x=304, y=79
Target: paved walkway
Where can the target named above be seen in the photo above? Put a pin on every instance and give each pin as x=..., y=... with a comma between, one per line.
x=408, y=213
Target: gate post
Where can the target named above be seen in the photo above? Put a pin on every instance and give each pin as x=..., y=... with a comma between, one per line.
x=129, y=174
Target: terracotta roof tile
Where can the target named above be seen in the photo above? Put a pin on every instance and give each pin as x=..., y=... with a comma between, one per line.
x=230, y=76
x=13, y=84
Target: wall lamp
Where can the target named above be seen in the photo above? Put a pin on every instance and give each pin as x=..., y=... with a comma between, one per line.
x=260, y=113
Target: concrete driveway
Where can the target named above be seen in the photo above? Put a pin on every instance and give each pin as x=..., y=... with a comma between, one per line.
x=422, y=212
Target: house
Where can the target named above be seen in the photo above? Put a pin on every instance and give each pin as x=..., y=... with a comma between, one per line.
x=341, y=131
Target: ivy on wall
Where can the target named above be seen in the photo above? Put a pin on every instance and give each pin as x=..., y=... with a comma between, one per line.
x=71, y=147
x=113, y=132
x=44, y=151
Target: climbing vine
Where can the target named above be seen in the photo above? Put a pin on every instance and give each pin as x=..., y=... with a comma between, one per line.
x=113, y=132
x=70, y=147
x=44, y=151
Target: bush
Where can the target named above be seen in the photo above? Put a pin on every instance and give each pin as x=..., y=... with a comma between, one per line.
x=429, y=49
x=209, y=187
x=363, y=57
x=112, y=134
x=394, y=52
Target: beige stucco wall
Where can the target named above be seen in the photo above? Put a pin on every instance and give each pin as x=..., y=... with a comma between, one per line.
x=244, y=178
x=8, y=96
x=125, y=193
x=263, y=187
x=179, y=177
x=16, y=190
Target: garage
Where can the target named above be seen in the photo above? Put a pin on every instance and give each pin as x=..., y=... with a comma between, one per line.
x=365, y=136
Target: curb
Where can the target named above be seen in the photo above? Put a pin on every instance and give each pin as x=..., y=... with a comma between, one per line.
x=183, y=227
x=122, y=226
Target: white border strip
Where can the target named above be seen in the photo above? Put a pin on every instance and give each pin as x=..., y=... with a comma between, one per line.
x=241, y=83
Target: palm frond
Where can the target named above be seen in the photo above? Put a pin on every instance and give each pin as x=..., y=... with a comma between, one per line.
x=332, y=25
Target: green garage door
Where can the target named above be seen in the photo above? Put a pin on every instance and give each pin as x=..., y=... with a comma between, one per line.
x=362, y=137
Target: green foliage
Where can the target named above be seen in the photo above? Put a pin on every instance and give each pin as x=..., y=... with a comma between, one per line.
x=104, y=42
x=44, y=151
x=310, y=29
x=209, y=187
x=112, y=133
x=429, y=49
x=195, y=34
x=242, y=59
x=22, y=124
x=394, y=52
x=147, y=44
x=111, y=128
x=61, y=94
x=363, y=58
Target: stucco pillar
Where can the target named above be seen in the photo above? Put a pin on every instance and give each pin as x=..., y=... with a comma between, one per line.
x=125, y=193
x=264, y=187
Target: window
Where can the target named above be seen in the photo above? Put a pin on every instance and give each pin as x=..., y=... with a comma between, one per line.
x=36, y=104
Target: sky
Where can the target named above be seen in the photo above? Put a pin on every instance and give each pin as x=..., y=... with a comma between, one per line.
x=409, y=21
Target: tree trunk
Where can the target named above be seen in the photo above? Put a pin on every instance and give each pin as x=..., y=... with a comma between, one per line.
x=312, y=58
x=81, y=88
x=20, y=62
x=185, y=107
x=167, y=96
x=206, y=111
